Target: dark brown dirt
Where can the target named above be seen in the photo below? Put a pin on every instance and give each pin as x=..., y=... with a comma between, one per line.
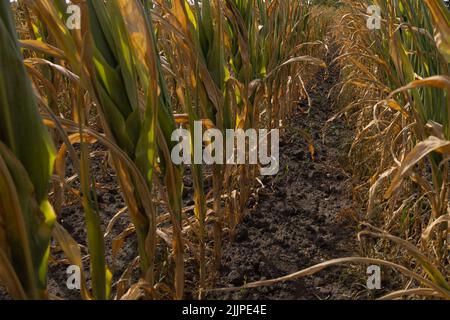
x=302, y=215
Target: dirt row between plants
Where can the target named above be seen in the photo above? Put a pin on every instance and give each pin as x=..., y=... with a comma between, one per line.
x=302, y=214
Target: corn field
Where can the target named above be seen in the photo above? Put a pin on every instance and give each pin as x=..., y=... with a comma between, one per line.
x=98, y=97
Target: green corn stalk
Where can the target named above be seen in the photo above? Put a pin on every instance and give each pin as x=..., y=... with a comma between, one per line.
x=115, y=84
x=26, y=165
x=53, y=17
x=122, y=59
x=115, y=68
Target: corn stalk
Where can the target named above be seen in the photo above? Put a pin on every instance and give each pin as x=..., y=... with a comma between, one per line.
x=26, y=165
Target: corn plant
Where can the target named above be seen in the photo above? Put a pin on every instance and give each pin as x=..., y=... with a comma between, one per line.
x=401, y=71
x=26, y=165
